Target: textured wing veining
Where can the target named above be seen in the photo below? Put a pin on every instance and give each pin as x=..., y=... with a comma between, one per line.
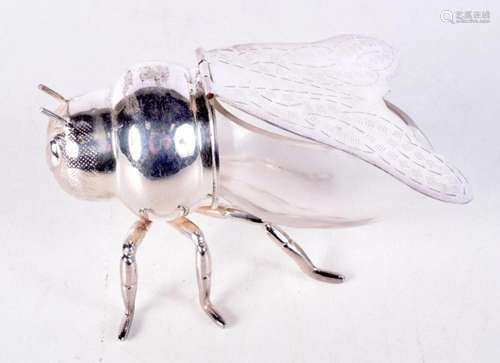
x=332, y=92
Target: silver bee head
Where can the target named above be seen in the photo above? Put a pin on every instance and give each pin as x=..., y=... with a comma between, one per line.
x=146, y=141
x=79, y=150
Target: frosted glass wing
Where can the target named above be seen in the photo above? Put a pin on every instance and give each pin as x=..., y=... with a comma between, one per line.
x=331, y=92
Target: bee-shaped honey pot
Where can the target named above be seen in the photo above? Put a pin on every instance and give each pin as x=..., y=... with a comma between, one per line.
x=273, y=134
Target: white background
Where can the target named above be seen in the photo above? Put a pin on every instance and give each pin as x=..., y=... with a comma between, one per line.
x=424, y=285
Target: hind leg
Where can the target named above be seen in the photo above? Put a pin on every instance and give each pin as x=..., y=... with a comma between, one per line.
x=289, y=246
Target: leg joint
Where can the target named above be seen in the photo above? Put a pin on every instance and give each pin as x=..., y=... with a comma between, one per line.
x=199, y=241
x=129, y=249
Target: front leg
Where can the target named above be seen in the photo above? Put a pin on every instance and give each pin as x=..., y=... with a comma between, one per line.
x=128, y=273
x=203, y=266
x=290, y=247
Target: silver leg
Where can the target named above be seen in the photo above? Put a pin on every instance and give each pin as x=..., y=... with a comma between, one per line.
x=293, y=250
x=203, y=266
x=128, y=272
x=283, y=240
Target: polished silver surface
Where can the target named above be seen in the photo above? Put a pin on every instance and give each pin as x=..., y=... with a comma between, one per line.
x=289, y=246
x=128, y=273
x=162, y=140
x=203, y=266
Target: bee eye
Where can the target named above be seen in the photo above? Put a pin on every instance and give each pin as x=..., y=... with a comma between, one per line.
x=55, y=152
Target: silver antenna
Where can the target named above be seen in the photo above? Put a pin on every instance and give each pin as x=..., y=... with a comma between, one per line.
x=53, y=115
x=51, y=92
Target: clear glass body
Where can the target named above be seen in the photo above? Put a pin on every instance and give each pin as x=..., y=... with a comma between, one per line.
x=286, y=180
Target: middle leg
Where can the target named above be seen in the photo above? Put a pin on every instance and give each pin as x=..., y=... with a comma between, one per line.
x=203, y=266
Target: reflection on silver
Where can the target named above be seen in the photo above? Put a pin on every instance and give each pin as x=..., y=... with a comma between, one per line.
x=185, y=140
x=72, y=149
x=135, y=143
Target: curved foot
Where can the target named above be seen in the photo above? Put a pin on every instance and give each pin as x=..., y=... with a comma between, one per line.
x=327, y=276
x=125, y=326
x=214, y=315
x=300, y=257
